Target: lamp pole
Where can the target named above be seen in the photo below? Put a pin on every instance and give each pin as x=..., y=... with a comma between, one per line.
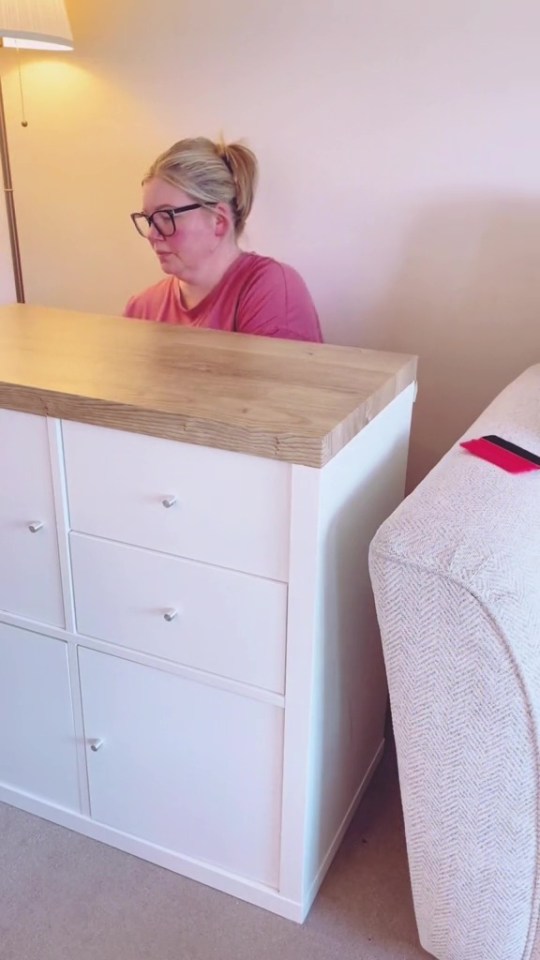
x=35, y=25
x=10, y=203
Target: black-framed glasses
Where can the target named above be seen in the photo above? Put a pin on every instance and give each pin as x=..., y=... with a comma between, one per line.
x=163, y=220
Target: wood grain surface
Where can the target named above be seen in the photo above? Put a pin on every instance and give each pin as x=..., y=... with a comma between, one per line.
x=287, y=400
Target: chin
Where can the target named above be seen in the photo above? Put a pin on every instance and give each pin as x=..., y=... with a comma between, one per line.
x=169, y=264
x=166, y=264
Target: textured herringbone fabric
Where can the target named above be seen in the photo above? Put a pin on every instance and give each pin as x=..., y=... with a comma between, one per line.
x=456, y=577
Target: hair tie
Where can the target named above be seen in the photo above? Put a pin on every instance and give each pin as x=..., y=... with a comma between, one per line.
x=226, y=161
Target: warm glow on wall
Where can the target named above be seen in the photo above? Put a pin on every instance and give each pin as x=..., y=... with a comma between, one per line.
x=27, y=25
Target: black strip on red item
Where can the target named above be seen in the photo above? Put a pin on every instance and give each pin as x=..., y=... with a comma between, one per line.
x=513, y=448
x=494, y=453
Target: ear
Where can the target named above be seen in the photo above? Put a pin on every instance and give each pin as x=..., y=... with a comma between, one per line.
x=223, y=222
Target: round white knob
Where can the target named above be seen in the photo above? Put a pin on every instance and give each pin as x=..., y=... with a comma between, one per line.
x=169, y=501
x=170, y=615
x=95, y=745
x=35, y=526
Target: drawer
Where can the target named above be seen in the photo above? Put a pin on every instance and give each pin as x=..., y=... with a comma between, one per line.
x=226, y=623
x=219, y=507
x=30, y=580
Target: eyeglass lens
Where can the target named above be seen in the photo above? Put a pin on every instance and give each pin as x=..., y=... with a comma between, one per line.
x=163, y=221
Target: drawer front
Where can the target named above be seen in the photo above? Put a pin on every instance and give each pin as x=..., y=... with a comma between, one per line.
x=225, y=508
x=30, y=580
x=226, y=623
x=191, y=768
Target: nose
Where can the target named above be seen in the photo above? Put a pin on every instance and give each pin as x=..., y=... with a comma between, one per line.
x=154, y=234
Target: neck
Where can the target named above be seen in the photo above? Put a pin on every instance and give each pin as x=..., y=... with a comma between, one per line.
x=194, y=290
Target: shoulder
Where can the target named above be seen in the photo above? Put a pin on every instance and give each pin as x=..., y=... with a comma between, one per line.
x=256, y=266
x=270, y=275
x=275, y=301
x=143, y=305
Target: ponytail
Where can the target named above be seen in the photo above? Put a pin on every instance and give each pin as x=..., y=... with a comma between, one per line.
x=242, y=165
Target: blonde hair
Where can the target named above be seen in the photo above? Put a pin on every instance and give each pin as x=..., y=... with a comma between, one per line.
x=211, y=173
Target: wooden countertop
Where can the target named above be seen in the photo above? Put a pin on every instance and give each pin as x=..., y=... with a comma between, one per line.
x=292, y=401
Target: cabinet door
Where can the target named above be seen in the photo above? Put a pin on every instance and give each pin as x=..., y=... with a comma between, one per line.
x=37, y=736
x=192, y=768
x=30, y=583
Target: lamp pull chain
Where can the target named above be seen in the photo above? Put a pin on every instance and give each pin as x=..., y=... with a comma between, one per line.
x=24, y=121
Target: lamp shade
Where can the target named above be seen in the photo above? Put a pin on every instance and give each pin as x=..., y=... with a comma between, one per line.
x=35, y=24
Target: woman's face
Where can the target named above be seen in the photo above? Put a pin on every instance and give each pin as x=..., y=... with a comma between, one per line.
x=197, y=233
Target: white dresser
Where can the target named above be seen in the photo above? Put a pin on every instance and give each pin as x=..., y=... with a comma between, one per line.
x=190, y=668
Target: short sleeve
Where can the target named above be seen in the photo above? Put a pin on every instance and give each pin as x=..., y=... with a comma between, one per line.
x=275, y=302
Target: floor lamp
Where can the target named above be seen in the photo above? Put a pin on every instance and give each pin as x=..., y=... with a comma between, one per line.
x=27, y=25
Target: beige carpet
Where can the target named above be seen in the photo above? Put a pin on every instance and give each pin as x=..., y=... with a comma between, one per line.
x=64, y=897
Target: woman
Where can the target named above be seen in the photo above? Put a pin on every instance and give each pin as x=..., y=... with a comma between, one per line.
x=196, y=199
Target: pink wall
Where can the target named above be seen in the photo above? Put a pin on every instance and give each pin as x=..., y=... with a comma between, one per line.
x=399, y=147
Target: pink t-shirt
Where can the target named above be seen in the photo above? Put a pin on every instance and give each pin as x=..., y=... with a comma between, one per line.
x=256, y=295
